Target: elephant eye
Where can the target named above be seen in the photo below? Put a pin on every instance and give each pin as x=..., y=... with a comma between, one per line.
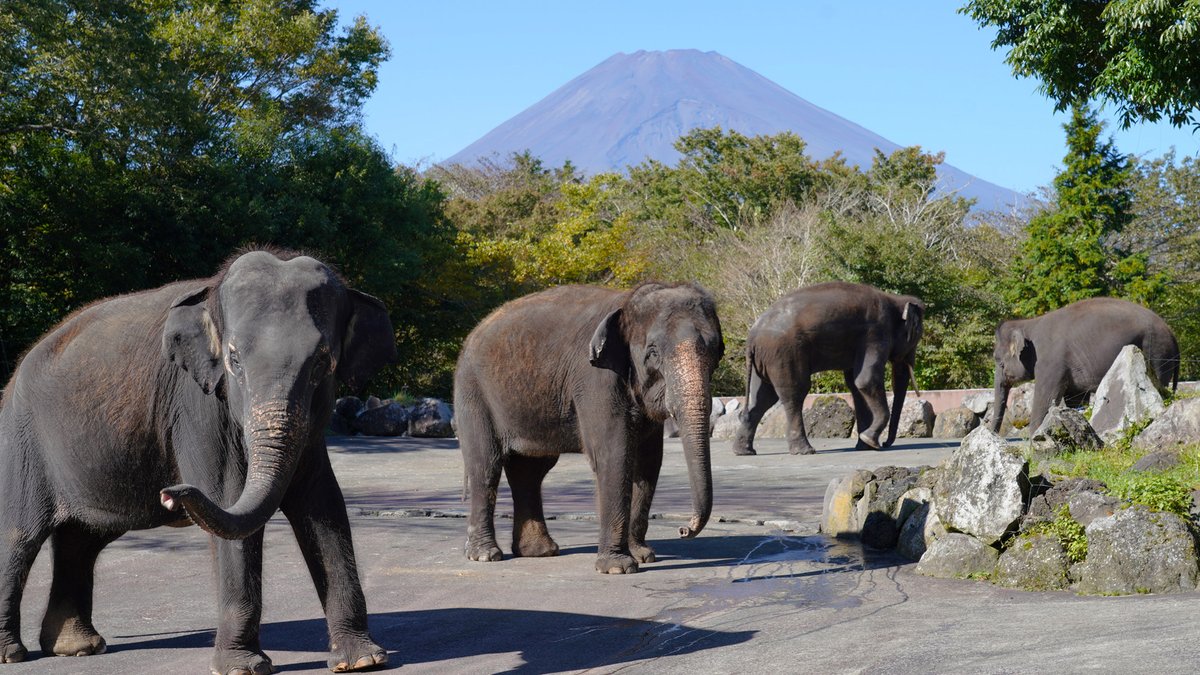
x=652, y=355
x=235, y=362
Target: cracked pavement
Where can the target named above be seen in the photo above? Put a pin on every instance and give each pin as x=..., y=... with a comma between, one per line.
x=758, y=591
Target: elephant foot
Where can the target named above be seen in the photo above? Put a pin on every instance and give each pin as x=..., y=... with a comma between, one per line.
x=354, y=652
x=616, y=563
x=241, y=662
x=801, y=449
x=641, y=552
x=871, y=442
x=743, y=451
x=535, y=547
x=12, y=651
x=484, y=552
x=73, y=638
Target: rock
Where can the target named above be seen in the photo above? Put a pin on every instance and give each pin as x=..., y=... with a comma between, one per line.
x=773, y=423
x=957, y=556
x=340, y=425
x=928, y=476
x=1065, y=429
x=979, y=403
x=982, y=487
x=1033, y=562
x=829, y=417
x=1126, y=396
x=1158, y=461
x=383, y=420
x=348, y=407
x=718, y=409
x=1137, y=550
x=727, y=425
x=839, y=513
x=1020, y=407
x=732, y=405
x=1045, y=507
x=430, y=418
x=910, y=501
x=373, y=402
x=1178, y=425
x=880, y=528
x=955, y=423
x=1086, y=506
x=919, y=525
x=916, y=419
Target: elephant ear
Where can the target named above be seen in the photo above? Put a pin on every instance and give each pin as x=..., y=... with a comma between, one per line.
x=913, y=316
x=609, y=348
x=191, y=341
x=1016, y=343
x=369, y=342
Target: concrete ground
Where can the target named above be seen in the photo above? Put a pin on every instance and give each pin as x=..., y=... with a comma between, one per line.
x=758, y=591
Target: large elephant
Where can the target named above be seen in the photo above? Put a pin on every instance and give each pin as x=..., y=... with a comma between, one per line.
x=854, y=328
x=1067, y=352
x=592, y=370
x=100, y=426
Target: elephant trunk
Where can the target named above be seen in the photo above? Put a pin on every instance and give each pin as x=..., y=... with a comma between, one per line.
x=999, y=399
x=901, y=372
x=692, y=408
x=274, y=440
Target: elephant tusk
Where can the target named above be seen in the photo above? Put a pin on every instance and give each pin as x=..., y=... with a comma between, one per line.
x=912, y=374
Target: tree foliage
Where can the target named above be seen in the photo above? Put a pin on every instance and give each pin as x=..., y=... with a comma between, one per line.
x=1142, y=55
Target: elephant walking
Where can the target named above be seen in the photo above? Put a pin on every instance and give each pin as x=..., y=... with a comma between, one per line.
x=1068, y=351
x=591, y=370
x=100, y=424
x=854, y=328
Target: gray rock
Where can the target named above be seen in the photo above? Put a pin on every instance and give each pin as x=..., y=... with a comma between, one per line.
x=1137, y=550
x=957, y=556
x=916, y=419
x=979, y=403
x=982, y=487
x=1033, y=562
x=1045, y=507
x=880, y=527
x=1126, y=396
x=910, y=501
x=732, y=405
x=840, y=514
x=727, y=425
x=1162, y=460
x=390, y=419
x=348, y=407
x=1065, y=429
x=340, y=425
x=829, y=417
x=430, y=418
x=1020, y=407
x=919, y=525
x=1086, y=506
x=773, y=423
x=1178, y=425
x=955, y=422
x=374, y=402
x=718, y=409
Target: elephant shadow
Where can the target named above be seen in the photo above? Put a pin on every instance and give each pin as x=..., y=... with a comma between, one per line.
x=546, y=641
x=367, y=445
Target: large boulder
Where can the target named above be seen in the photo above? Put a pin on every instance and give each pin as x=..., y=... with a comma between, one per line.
x=1127, y=395
x=1063, y=429
x=727, y=425
x=1137, y=550
x=919, y=524
x=718, y=409
x=829, y=417
x=1035, y=562
x=1018, y=412
x=387, y=419
x=1045, y=507
x=880, y=524
x=979, y=403
x=955, y=422
x=957, y=556
x=430, y=418
x=840, y=515
x=348, y=407
x=916, y=419
x=982, y=487
x=773, y=423
x=1178, y=425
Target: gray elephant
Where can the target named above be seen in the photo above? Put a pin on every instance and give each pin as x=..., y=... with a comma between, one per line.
x=101, y=423
x=854, y=328
x=1067, y=352
x=591, y=370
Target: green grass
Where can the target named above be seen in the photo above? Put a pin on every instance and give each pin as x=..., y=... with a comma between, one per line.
x=1068, y=531
x=1168, y=490
x=404, y=398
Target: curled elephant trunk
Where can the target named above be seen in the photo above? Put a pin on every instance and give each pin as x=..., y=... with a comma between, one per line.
x=692, y=410
x=274, y=448
x=999, y=400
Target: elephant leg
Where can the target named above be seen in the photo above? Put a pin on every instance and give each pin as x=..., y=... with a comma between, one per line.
x=613, y=461
x=861, y=419
x=25, y=526
x=645, y=480
x=239, y=601
x=67, y=628
x=316, y=510
x=869, y=381
x=482, y=457
x=760, y=396
x=525, y=474
x=793, y=406
x=1047, y=388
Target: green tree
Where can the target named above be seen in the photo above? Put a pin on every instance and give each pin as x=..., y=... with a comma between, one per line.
x=1072, y=251
x=1142, y=55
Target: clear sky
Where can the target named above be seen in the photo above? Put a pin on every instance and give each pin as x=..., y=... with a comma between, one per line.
x=916, y=73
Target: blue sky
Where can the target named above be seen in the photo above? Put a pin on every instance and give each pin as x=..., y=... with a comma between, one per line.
x=916, y=73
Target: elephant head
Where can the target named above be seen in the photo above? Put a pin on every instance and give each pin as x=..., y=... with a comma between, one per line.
x=907, y=334
x=1015, y=357
x=268, y=337
x=667, y=339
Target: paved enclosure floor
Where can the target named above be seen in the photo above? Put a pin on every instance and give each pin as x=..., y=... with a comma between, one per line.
x=758, y=591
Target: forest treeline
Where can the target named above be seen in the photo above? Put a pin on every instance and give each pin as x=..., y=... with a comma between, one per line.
x=144, y=142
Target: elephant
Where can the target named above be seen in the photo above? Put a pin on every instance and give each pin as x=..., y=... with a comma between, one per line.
x=226, y=383
x=1067, y=352
x=854, y=328
x=591, y=370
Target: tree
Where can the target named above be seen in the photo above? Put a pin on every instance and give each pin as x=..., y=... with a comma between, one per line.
x=1142, y=55
x=1072, y=250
